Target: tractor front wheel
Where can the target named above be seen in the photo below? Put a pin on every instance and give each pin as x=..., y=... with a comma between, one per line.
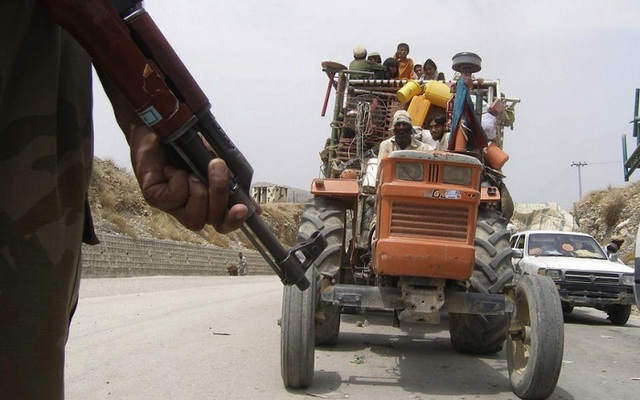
x=297, y=348
x=536, y=338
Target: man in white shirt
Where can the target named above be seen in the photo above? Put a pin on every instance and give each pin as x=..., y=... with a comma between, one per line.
x=402, y=136
x=437, y=129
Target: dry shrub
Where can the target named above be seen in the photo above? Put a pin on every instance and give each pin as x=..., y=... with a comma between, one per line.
x=215, y=238
x=107, y=199
x=283, y=219
x=120, y=222
x=628, y=258
x=612, y=211
x=163, y=226
x=115, y=197
x=596, y=197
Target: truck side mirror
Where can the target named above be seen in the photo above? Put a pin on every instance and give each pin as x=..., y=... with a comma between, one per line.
x=517, y=253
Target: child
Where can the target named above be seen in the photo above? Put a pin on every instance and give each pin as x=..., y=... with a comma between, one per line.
x=405, y=64
x=417, y=71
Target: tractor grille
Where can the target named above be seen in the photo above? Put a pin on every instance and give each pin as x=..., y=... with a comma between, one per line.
x=433, y=172
x=429, y=221
x=596, y=278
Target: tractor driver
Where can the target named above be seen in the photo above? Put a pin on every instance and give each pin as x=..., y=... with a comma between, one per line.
x=402, y=138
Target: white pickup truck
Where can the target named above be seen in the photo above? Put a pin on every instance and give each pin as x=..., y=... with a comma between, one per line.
x=578, y=265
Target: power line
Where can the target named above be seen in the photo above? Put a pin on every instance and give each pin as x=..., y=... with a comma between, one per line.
x=552, y=184
x=604, y=162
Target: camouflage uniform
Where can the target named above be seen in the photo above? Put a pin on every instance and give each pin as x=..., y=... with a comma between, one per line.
x=46, y=147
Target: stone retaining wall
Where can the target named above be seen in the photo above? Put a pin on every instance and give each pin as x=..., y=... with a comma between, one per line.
x=122, y=256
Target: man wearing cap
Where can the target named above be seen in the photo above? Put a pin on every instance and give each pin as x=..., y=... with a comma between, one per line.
x=360, y=63
x=402, y=136
x=375, y=57
x=613, y=247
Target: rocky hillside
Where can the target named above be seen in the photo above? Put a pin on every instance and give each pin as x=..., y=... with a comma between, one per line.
x=610, y=212
x=118, y=207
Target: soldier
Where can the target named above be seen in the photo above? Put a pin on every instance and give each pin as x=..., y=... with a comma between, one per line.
x=46, y=146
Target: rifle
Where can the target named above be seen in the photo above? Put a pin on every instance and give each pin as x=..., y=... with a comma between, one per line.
x=127, y=46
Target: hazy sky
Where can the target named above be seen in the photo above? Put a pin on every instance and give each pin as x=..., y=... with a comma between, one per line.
x=574, y=64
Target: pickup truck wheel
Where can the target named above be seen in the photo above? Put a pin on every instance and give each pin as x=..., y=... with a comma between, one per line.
x=619, y=314
x=536, y=338
x=327, y=216
x=485, y=334
x=297, y=350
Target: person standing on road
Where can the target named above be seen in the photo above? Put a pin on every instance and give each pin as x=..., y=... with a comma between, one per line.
x=242, y=265
x=46, y=155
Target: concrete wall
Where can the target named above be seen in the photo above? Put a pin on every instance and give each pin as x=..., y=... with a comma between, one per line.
x=121, y=256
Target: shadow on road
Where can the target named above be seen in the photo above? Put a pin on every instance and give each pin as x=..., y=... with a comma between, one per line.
x=588, y=316
x=418, y=358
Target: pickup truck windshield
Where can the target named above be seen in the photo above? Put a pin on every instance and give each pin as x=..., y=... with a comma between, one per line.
x=552, y=244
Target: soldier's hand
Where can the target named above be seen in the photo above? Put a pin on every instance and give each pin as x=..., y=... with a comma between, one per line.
x=180, y=193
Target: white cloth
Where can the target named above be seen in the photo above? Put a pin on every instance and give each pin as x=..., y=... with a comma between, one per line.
x=424, y=136
x=389, y=145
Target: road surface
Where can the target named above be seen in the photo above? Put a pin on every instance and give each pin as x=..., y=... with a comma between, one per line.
x=217, y=338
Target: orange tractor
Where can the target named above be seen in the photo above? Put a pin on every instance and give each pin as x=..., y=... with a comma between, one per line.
x=421, y=234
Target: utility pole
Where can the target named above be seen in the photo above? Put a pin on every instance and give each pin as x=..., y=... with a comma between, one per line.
x=579, y=164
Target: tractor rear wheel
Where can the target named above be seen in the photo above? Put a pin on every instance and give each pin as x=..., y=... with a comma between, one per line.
x=485, y=334
x=328, y=216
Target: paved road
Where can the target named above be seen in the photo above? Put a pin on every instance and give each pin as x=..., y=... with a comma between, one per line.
x=217, y=338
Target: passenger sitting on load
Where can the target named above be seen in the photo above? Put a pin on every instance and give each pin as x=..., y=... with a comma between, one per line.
x=375, y=57
x=417, y=71
x=430, y=71
x=405, y=64
x=439, y=134
x=391, y=68
x=360, y=63
x=402, y=138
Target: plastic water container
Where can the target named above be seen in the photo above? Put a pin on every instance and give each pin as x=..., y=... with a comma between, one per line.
x=418, y=110
x=437, y=93
x=410, y=89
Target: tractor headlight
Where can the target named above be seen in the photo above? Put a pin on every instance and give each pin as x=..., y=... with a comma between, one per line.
x=627, y=280
x=409, y=171
x=554, y=274
x=456, y=175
